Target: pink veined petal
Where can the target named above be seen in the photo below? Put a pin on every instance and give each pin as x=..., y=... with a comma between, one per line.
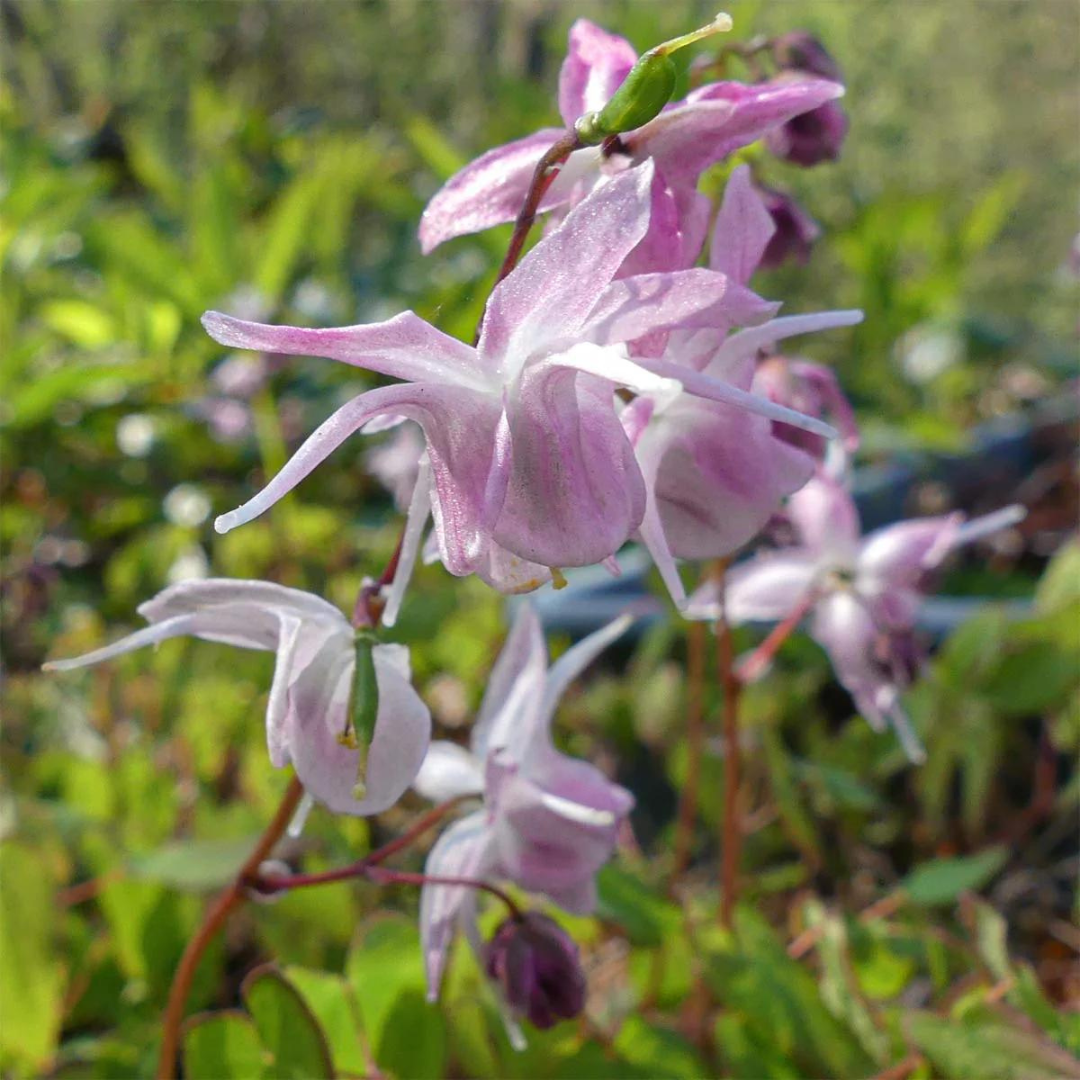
x=328, y=770
x=575, y=493
x=720, y=118
x=827, y=520
x=743, y=229
x=596, y=64
x=704, y=386
x=683, y=299
x=515, y=689
x=488, y=191
x=551, y=292
x=459, y=852
x=448, y=771
x=765, y=588
x=416, y=519
x=404, y=347
x=719, y=475
x=747, y=342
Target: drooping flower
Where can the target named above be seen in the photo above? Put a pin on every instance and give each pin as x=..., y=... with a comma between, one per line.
x=535, y=964
x=309, y=712
x=549, y=822
x=813, y=136
x=715, y=474
x=527, y=466
x=684, y=140
x=794, y=230
x=864, y=592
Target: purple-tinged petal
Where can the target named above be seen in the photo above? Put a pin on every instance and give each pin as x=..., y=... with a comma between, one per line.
x=811, y=137
x=549, y=295
x=827, y=521
x=901, y=554
x=766, y=588
x=509, y=573
x=404, y=347
x=575, y=493
x=514, y=690
x=277, y=705
x=320, y=701
x=578, y=657
x=415, y=520
x=396, y=461
x=719, y=476
x=743, y=228
x=722, y=117
x=596, y=64
x=460, y=851
x=795, y=230
x=488, y=191
x=631, y=307
x=448, y=771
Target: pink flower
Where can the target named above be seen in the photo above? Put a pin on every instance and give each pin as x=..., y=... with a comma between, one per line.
x=865, y=592
x=526, y=465
x=549, y=822
x=684, y=140
x=795, y=231
x=310, y=698
x=715, y=474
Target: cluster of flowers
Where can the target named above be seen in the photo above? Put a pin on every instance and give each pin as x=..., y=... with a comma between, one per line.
x=617, y=390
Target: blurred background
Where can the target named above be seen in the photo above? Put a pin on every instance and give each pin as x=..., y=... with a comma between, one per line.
x=272, y=160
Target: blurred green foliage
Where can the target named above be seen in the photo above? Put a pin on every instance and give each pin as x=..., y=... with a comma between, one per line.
x=161, y=159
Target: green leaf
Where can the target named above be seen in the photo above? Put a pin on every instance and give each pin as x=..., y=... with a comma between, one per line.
x=30, y=974
x=222, y=1046
x=385, y=969
x=748, y=1057
x=941, y=881
x=988, y=1051
x=286, y=1026
x=644, y=915
x=285, y=236
x=1035, y=678
x=658, y=1052
x=1060, y=583
x=82, y=323
x=198, y=865
x=331, y=1000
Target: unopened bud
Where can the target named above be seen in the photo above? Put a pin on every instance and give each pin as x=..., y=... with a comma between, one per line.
x=794, y=230
x=645, y=90
x=537, y=966
x=801, y=51
x=811, y=138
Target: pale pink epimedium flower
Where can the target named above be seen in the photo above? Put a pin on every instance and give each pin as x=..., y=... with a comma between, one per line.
x=684, y=140
x=862, y=593
x=526, y=466
x=715, y=474
x=310, y=698
x=548, y=823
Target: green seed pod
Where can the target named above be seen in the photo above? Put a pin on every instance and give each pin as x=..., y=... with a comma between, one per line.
x=363, y=708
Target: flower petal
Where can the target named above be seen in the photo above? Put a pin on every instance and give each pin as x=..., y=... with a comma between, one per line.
x=578, y=657
x=596, y=64
x=448, y=771
x=460, y=851
x=900, y=554
x=764, y=588
x=320, y=701
x=404, y=347
x=415, y=520
x=743, y=229
x=488, y=191
x=551, y=292
x=827, y=520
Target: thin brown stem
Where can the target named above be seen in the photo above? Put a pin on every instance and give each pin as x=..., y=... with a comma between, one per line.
x=902, y=1069
x=695, y=745
x=731, y=825
x=752, y=667
x=547, y=168
x=215, y=918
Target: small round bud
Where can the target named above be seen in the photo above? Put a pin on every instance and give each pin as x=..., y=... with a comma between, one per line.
x=811, y=138
x=801, y=51
x=795, y=231
x=536, y=964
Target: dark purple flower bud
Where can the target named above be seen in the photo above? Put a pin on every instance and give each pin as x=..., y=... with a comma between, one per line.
x=537, y=966
x=800, y=51
x=795, y=232
x=813, y=137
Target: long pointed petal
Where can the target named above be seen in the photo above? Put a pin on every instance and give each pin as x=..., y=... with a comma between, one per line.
x=419, y=511
x=404, y=347
x=743, y=228
x=702, y=385
x=747, y=342
x=574, y=661
x=150, y=635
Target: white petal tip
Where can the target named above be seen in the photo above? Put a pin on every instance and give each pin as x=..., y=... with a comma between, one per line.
x=224, y=524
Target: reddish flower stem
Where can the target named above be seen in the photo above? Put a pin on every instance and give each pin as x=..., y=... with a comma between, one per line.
x=547, y=168
x=695, y=745
x=761, y=657
x=215, y=918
